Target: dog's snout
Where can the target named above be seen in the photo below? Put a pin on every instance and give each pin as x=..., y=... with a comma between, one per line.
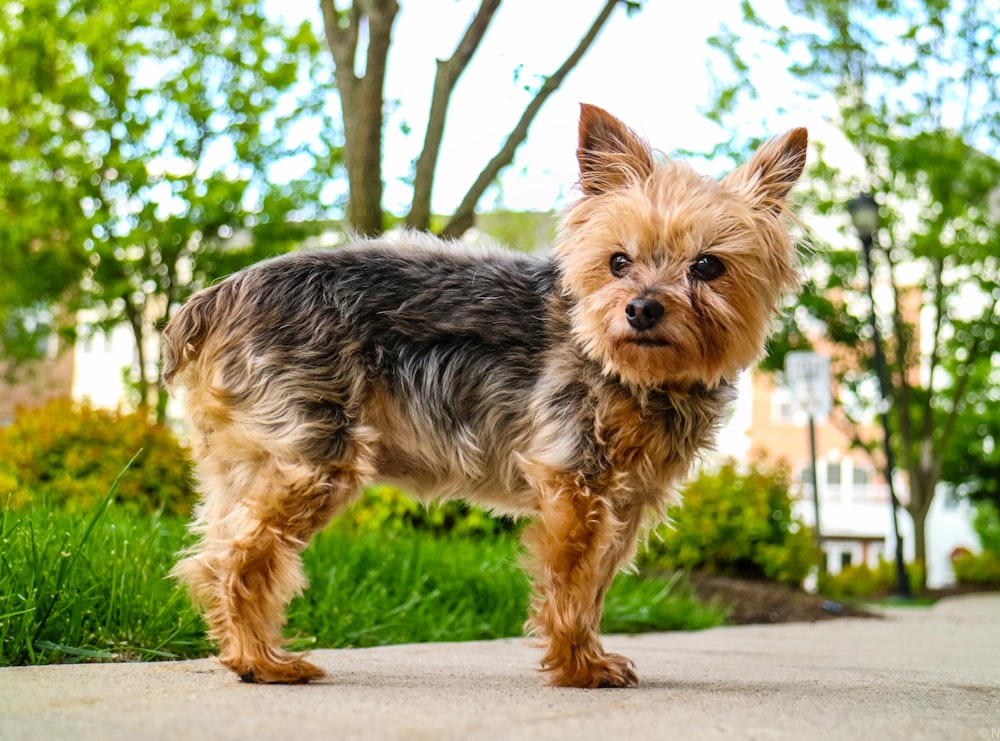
x=643, y=313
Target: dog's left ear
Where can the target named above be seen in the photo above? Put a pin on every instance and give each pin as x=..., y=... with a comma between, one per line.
x=610, y=154
x=772, y=171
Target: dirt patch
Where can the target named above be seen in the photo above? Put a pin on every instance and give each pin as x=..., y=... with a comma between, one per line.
x=751, y=602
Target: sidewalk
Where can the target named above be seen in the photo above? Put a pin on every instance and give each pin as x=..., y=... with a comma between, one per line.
x=920, y=673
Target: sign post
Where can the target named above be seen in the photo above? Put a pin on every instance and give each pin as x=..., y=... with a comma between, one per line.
x=807, y=375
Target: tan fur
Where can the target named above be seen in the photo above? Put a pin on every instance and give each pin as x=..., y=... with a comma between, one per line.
x=528, y=386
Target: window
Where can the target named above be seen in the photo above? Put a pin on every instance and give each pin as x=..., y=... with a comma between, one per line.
x=833, y=474
x=863, y=484
x=806, y=481
x=781, y=407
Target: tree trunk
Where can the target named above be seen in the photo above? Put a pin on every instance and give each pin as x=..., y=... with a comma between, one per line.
x=922, y=487
x=135, y=317
x=361, y=100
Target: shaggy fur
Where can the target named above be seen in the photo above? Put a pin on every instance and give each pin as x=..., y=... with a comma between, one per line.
x=577, y=388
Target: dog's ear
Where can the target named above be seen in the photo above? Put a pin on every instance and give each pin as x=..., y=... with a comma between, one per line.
x=610, y=153
x=769, y=175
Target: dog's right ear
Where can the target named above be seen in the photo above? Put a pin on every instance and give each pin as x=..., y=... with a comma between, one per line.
x=610, y=154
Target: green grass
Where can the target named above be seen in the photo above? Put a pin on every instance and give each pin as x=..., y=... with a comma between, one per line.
x=91, y=588
x=94, y=588
x=413, y=587
x=409, y=587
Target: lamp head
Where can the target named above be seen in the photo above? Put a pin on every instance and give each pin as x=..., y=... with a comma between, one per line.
x=864, y=215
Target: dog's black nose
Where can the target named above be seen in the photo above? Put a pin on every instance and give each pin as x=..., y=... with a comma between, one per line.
x=643, y=313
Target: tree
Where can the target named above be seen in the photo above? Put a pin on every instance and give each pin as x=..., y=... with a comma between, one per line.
x=362, y=102
x=148, y=148
x=40, y=221
x=913, y=88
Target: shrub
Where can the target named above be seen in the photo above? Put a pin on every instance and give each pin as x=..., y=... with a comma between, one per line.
x=737, y=523
x=68, y=455
x=982, y=569
x=387, y=509
x=861, y=581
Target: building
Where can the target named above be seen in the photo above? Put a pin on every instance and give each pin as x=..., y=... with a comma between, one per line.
x=854, y=505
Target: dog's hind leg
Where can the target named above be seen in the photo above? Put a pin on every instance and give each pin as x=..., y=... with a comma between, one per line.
x=257, y=515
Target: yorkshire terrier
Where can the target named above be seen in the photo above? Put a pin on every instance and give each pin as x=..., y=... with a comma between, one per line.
x=578, y=388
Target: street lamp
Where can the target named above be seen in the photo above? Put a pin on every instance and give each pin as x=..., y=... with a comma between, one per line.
x=865, y=217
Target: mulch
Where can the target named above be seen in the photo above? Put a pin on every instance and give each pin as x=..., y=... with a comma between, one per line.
x=754, y=602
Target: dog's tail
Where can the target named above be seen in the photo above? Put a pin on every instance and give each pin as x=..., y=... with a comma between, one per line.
x=186, y=332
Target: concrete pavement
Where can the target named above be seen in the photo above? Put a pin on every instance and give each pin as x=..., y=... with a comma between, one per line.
x=921, y=673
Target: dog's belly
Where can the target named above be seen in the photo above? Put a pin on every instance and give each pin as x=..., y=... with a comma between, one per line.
x=425, y=476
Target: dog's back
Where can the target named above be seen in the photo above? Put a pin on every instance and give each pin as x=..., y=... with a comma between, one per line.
x=436, y=346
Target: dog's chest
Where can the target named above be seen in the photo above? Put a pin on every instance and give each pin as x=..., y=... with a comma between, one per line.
x=653, y=441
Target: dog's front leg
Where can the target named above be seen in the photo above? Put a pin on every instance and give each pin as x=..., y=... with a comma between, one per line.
x=576, y=547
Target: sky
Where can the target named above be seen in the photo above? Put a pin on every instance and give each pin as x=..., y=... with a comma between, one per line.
x=649, y=69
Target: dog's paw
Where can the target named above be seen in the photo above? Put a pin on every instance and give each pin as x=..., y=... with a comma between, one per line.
x=606, y=670
x=293, y=670
x=616, y=671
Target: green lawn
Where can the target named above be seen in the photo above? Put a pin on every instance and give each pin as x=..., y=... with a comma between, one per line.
x=94, y=587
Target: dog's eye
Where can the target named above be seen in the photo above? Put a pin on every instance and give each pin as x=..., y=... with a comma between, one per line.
x=707, y=268
x=620, y=264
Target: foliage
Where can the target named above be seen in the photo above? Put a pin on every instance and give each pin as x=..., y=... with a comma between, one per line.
x=735, y=523
x=636, y=604
x=974, y=463
x=981, y=569
x=67, y=455
x=527, y=231
x=860, y=581
x=910, y=90
x=386, y=509
x=987, y=526
x=147, y=149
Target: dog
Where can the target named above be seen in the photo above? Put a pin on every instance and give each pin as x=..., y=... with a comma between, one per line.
x=577, y=388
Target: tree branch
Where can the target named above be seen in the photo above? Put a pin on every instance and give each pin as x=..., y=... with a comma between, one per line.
x=343, y=42
x=464, y=216
x=927, y=409
x=904, y=394
x=448, y=73
x=851, y=428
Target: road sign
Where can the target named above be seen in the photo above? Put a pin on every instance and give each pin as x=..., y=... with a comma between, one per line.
x=807, y=377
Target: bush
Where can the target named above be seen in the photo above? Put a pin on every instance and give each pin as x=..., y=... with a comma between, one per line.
x=738, y=524
x=862, y=582
x=386, y=509
x=987, y=527
x=981, y=570
x=68, y=455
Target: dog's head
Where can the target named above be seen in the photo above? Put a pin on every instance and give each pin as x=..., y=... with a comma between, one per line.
x=673, y=278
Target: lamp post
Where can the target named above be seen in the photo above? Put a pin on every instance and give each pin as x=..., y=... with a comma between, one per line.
x=865, y=217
